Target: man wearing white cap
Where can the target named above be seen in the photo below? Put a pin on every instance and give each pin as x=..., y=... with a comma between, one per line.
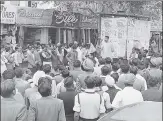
x=88, y=67
x=128, y=95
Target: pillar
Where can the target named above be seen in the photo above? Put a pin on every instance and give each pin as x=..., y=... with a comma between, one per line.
x=64, y=36
x=89, y=38
x=83, y=33
x=44, y=36
x=58, y=36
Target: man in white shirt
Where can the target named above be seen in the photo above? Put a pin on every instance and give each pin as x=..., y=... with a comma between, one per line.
x=89, y=105
x=128, y=95
x=107, y=48
x=97, y=70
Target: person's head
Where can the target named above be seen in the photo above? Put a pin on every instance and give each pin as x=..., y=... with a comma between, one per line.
x=133, y=50
x=52, y=75
x=129, y=80
x=153, y=82
x=32, y=49
x=135, y=61
x=125, y=68
x=7, y=49
x=97, y=81
x=69, y=82
x=19, y=72
x=101, y=61
x=46, y=68
x=77, y=64
x=115, y=77
x=108, y=60
x=105, y=70
x=7, y=88
x=141, y=66
x=70, y=45
x=65, y=73
x=133, y=70
x=45, y=86
x=74, y=47
x=106, y=38
x=60, y=68
x=90, y=82
x=8, y=74
x=88, y=65
x=115, y=67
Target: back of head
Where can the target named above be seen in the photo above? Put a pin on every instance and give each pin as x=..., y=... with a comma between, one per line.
x=125, y=68
x=77, y=64
x=65, y=73
x=101, y=61
x=98, y=81
x=133, y=70
x=8, y=74
x=135, y=61
x=129, y=79
x=115, y=67
x=153, y=82
x=19, y=72
x=141, y=66
x=90, y=82
x=44, y=86
x=46, y=68
x=115, y=77
x=61, y=67
x=68, y=82
x=105, y=70
x=108, y=60
x=7, y=88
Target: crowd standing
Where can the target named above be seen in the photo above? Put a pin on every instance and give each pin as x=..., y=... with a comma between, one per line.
x=74, y=83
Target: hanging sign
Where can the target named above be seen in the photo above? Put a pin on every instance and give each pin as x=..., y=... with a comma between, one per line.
x=8, y=14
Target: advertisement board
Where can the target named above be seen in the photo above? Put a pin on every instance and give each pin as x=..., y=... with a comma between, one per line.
x=8, y=14
x=124, y=32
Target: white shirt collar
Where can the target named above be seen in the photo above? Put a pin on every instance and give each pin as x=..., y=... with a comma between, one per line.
x=89, y=90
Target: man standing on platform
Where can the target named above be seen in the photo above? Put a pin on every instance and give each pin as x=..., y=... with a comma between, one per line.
x=107, y=48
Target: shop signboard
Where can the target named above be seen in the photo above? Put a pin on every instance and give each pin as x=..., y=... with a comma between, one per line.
x=34, y=16
x=90, y=22
x=65, y=19
x=8, y=14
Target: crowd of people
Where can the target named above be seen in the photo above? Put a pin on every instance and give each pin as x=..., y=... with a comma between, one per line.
x=59, y=83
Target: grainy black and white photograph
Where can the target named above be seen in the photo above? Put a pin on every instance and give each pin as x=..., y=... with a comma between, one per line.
x=81, y=60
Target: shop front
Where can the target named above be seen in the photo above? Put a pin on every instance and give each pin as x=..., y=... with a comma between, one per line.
x=33, y=25
x=89, y=29
x=8, y=28
x=67, y=25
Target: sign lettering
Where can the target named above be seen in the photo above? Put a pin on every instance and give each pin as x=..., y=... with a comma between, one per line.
x=8, y=14
x=24, y=13
x=64, y=19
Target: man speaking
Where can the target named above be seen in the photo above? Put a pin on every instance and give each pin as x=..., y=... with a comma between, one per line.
x=107, y=48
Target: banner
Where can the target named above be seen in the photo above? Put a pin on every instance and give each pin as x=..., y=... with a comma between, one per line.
x=116, y=29
x=8, y=14
x=34, y=16
x=122, y=31
x=65, y=19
